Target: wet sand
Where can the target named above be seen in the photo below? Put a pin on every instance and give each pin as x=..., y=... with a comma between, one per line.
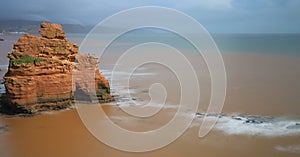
x=258, y=84
x=63, y=134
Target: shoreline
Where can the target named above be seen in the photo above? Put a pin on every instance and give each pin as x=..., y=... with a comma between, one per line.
x=225, y=121
x=24, y=135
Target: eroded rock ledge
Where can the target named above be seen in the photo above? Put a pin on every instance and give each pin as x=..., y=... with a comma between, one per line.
x=39, y=76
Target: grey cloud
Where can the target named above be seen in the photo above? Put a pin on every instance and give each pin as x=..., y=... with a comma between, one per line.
x=228, y=16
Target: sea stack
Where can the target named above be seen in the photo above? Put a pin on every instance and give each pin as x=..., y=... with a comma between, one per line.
x=39, y=76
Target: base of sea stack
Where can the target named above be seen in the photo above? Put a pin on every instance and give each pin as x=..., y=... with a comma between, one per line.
x=13, y=108
x=9, y=108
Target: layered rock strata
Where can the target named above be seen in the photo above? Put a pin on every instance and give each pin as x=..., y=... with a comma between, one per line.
x=40, y=73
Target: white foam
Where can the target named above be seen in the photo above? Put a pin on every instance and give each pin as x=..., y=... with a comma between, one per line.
x=125, y=99
x=118, y=90
x=276, y=128
x=126, y=73
x=243, y=126
x=57, y=111
x=153, y=105
x=129, y=102
x=229, y=124
x=290, y=148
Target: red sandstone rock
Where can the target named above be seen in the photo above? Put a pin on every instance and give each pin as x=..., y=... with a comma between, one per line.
x=40, y=72
x=52, y=31
x=89, y=80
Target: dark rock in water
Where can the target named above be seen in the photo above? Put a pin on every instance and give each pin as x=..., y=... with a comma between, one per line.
x=252, y=121
x=1, y=39
x=296, y=126
x=3, y=128
x=246, y=119
x=201, y=115
x=145, y=91
x=236, y=118
x=257, y=119
x=212, y=115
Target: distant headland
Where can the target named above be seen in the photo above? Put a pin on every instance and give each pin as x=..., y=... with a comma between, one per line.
x=32, y=27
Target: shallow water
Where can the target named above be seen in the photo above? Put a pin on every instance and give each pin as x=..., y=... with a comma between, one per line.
x=260, y=117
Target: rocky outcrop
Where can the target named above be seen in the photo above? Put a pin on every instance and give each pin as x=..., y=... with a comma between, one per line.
x=89, y=83
x=40, y=73
x=52, y=31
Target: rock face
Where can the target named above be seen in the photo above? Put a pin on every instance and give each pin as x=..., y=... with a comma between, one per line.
x=89, y=84
x=40, y=73
x=52, y=31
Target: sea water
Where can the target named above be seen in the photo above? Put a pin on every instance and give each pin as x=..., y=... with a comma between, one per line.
x=238, y=43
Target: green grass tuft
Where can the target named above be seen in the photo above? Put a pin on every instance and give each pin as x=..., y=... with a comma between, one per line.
x=104, y=91
x=36, y=60
x=26, y=59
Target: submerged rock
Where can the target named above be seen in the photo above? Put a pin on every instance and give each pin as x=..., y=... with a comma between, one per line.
x=3, y=128
x=296, y=126
x=40, y=73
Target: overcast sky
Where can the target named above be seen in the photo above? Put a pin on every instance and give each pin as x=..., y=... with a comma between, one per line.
x=218, y=16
